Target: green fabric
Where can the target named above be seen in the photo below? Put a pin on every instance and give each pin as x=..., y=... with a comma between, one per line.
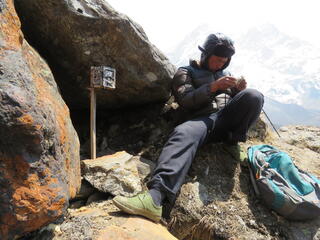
x=141, y=204
x=237, y=152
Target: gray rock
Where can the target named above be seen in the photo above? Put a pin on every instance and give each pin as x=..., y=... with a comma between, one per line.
x=117, y=174
x=144, y=166
x=91, y=33
x=260, y=130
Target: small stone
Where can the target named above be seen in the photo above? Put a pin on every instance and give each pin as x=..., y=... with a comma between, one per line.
x=283, y=129
x=252, y=222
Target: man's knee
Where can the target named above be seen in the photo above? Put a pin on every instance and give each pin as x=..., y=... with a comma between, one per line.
x=191, y=129
x=253, y=97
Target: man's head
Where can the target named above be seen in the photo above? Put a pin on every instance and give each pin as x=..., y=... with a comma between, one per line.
x=217, y=51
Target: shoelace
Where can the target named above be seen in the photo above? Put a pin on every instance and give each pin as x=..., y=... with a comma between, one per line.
x=141, y=198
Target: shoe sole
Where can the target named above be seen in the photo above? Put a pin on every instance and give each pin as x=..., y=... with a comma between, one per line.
x=136, y=211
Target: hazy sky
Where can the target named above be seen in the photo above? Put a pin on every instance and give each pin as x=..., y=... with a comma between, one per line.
x=166, y=22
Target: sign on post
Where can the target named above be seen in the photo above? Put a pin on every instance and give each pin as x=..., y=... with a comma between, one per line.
x=100, y=77
x=103, y=77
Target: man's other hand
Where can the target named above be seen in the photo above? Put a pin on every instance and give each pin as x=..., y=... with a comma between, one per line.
x=241, y=84
x=223, y=83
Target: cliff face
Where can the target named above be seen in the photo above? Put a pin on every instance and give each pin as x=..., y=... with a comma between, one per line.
x=39, y=148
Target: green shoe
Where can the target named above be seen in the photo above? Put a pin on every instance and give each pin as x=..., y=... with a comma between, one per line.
x=237, y=152
x=142, y=204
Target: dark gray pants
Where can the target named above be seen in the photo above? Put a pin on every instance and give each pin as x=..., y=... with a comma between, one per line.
x=230, y=124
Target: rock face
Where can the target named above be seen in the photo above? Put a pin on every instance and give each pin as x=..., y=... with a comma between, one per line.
x=74, y=35
x=39, y=148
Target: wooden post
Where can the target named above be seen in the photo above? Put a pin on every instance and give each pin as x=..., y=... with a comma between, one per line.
x=101, y=77
x=93, y=122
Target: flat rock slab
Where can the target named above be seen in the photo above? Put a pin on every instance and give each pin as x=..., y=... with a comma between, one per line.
x=136, y=229
x=117, y=174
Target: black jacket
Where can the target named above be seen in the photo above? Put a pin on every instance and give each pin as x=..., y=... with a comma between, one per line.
x=191, y=89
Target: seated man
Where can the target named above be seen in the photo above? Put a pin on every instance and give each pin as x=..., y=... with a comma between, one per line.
x=220, y=109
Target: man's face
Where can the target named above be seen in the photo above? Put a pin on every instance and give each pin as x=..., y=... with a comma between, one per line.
x=215, y=63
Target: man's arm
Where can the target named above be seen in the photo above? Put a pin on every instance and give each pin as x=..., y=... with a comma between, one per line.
x=185, y=93
x=190, y=98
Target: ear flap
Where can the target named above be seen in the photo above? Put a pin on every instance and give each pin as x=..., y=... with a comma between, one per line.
x=201, y=49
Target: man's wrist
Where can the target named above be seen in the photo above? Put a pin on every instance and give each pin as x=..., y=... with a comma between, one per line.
x=213, y=87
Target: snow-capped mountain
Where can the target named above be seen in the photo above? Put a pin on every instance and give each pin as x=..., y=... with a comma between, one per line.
x=282, y=114
x=284, y=68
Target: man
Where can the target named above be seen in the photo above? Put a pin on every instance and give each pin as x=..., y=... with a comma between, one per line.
x=221, y=109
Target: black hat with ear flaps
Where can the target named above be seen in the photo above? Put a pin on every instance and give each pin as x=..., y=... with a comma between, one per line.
x=219, y=45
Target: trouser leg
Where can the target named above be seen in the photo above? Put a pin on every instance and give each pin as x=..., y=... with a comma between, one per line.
x=177, y=155
x=233, y=122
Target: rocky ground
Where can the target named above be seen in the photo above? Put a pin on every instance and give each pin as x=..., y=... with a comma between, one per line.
x=216, y=202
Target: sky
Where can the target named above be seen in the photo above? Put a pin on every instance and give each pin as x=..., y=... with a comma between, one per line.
x=167, y=22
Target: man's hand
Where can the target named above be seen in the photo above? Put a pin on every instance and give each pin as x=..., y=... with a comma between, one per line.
x=241, y=84
x=223, y=83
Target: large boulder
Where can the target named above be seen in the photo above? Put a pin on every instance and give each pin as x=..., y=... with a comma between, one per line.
x=39, y=148
x=74, y=35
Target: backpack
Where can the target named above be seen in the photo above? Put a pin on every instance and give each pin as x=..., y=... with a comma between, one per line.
x=282, y=186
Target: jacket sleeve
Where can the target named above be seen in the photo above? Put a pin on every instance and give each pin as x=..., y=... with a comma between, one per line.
x=186, y=94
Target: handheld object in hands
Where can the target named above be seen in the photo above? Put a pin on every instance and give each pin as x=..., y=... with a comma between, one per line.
x=240, y=79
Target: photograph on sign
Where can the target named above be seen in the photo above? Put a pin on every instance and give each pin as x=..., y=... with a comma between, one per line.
x=103, y=77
